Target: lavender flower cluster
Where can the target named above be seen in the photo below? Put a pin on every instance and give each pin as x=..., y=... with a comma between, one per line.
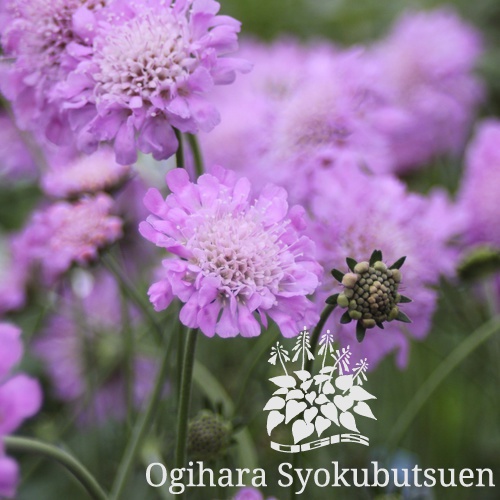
x=306, y=162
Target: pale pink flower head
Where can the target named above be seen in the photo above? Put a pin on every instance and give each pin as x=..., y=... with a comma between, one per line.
x=45, y=39
x=20, y=398
x=481, y=184
x=152, y=62
x=426, y=63
x=85, y=174
x=67, y=233
x=236, y=258
x=70, y=347
x=357, y=214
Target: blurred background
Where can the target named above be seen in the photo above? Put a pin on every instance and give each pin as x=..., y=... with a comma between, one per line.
x=458, y=427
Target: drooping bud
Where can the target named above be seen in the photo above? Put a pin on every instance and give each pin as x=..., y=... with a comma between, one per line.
x=371, y=293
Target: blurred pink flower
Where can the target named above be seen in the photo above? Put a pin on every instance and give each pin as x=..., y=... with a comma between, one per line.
x=20, y=398
x=306, y=109
x=250, y=493
x=481, y=184
x=426, y=64
x=84, y=175
x=66, y=233
x=235, y=258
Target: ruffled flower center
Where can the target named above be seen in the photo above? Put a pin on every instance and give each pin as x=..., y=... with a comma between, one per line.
x=239, y=251
x=148, y=56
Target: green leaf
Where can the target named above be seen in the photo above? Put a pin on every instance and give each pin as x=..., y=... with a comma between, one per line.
x=404, y=299
x=338, y=275
x=398, y=263
x=380, y=325
x=360, y=332
x=375, y=257
x=332, y=300
x=345, y=318
x=403, y=317
x=351, y=263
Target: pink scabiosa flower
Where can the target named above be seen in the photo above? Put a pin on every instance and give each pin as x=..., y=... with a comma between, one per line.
x=480, y=184
x=20, y=398
x=65, y=233
x=234, y=259
x=86, y=334
x=152, y=62
x=357, y=214
x=426, y=63
x=84, y=175
x=45, y=39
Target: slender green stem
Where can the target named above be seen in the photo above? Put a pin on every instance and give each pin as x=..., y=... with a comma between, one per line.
x=141, y=428
x=179, y=154
x=130, y=291
x=128, y=351
x=329, y=308
x=426, y=390
x=198, y=159
x=185, y=397
x=181, y=342
x=24, y=445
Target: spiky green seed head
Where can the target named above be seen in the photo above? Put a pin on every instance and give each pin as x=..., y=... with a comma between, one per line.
x=371, y=293
x=209, y=436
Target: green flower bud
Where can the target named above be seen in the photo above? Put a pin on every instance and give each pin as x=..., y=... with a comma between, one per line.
x=209, y=436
